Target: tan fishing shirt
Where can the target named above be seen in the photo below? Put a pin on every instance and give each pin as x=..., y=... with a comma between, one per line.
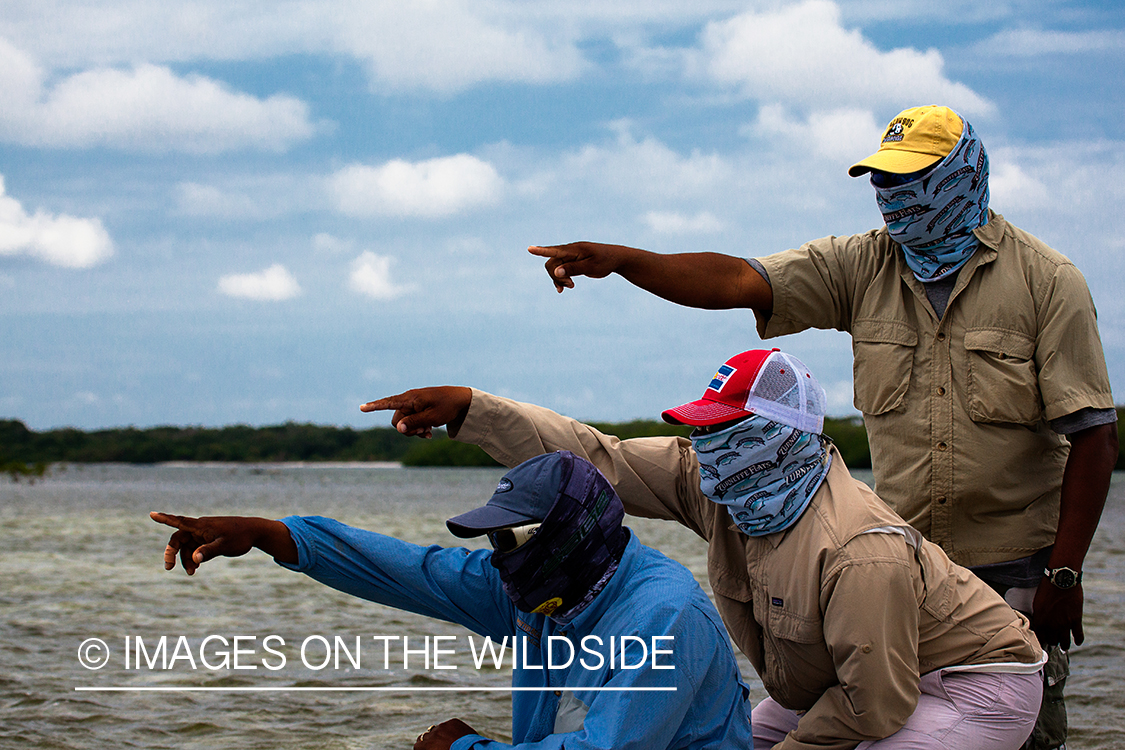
x=838, y=622
x=956, y=408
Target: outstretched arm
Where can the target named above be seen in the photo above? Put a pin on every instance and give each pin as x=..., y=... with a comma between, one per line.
x=1057, y=613
x=197, y=540
x=710, y=281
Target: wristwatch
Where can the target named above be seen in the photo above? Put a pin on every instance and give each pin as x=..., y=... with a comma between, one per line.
x=1064, y=578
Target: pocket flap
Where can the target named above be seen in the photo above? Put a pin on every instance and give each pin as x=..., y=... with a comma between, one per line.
x=884, y=332
x=1000, y=341
x=792, y=627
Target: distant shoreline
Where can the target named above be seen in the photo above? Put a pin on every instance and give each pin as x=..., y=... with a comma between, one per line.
x=278, y=464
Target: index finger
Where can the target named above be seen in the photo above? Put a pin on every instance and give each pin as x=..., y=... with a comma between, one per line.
x=176, y=522
x=385, y=404
x=551, y=252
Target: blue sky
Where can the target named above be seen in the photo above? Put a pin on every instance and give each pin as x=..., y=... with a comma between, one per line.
x=221, y=212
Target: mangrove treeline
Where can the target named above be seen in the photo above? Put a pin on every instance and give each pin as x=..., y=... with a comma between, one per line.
x=20, y=446
x=25, y=452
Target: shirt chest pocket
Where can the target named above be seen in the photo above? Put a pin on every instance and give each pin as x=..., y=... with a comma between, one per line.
x=1003, y=381
x=798, y=665
x=883, y=353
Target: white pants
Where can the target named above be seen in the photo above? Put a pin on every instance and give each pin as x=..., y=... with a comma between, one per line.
x=963, y=710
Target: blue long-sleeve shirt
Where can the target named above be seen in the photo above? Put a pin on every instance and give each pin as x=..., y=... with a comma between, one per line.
x=650, y=597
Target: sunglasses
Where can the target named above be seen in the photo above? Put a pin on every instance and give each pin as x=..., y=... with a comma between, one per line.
x=890, y=179
x=506, y=540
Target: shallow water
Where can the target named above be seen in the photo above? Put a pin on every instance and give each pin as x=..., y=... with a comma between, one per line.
x=79, y=559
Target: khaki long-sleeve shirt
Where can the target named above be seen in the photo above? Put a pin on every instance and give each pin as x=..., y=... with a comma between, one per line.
x=956, y=408
x=839, y=615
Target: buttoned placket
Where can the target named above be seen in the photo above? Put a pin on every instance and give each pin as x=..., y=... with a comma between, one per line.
x=941, y=435
x=936, y=340
x=939, y=340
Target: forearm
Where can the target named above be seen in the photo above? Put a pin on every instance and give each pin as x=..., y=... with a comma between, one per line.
x=1086, y=479
x=274, y=539
x=705, y=280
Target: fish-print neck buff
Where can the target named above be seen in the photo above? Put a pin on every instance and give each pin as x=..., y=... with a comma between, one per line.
x=765, y=472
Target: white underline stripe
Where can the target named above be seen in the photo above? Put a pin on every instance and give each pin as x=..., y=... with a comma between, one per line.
x=365, y=689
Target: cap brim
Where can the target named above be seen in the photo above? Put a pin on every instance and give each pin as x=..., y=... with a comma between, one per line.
x=487, y=518
x=703, y=413
x=895, y=162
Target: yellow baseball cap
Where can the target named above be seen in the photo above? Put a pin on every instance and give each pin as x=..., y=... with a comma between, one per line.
x=915, y=139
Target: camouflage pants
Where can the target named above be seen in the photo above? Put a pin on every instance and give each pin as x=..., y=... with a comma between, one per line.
x=1050, y=727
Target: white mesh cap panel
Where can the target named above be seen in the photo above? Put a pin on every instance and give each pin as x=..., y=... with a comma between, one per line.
x=785, y=391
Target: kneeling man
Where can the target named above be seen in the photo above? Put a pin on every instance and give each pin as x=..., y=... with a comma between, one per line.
x=564, y=574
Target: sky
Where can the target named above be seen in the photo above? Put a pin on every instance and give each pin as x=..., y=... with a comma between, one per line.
x=236, y=211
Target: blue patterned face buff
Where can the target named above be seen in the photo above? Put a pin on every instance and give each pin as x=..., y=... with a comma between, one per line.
x=575, y=552
x=933, y=217
x=764, y=472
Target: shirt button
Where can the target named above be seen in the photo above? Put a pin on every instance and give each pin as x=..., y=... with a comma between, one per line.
x=942, y=446
x=866, y=649
x=558, y=693
x=941, y=390
x=941, y=501
x=941, y=336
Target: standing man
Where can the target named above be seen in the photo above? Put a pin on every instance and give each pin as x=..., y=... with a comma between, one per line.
x=977, y=366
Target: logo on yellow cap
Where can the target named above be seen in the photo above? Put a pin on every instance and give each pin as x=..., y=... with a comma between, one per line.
x=897, y=129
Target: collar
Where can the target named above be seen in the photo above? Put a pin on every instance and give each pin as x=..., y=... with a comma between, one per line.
x=993, y=231
x=990, y=235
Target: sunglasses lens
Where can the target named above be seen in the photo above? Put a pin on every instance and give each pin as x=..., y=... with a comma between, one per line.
x=889, y=179
x=503, y=540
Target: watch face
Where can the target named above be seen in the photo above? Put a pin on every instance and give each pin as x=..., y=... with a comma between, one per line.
x=1064, y=578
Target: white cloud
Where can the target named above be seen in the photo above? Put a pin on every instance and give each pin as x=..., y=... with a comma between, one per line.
x=195, y=199
x=437, y=187
x=647, y=166
x=146, y=108
x=839, y=135
x=1010, y=185
x=451, y=45
x=60, y=240
x=438, y=45
x=802, y=55
x=673, y=222
x=20, y=78
x=273, y=284
x=1080, y=179
x=1036, y=43
x=252, y=197
x=371, y=276
x=331, y=245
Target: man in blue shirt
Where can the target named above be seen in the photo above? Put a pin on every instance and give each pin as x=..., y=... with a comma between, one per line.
x=648, y=663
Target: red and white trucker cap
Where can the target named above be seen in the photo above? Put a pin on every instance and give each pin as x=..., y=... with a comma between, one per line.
x=766, y=382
